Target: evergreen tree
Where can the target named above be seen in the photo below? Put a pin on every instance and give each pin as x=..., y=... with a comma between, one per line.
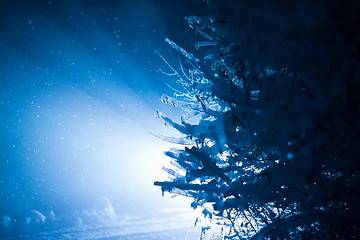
x=271, y=121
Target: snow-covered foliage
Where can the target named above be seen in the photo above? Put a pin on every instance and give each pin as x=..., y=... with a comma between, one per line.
x=271, y=119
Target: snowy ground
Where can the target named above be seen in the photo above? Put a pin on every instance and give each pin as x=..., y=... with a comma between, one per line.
x=114, y=232
x=177, y=225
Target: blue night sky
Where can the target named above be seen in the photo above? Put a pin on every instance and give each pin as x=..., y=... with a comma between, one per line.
x=79, y=85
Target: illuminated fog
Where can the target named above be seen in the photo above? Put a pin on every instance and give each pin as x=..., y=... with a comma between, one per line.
x=79, y=87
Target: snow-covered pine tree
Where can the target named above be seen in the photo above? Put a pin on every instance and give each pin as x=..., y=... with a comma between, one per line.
x=271, y=119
